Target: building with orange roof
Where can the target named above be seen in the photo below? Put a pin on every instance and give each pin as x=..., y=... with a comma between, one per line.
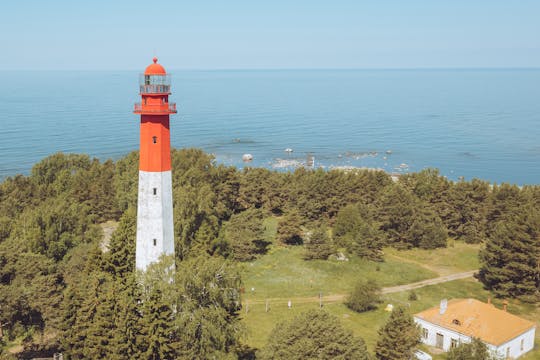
x=455, y=321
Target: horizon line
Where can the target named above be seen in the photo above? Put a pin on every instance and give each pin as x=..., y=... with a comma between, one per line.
x=296, y=68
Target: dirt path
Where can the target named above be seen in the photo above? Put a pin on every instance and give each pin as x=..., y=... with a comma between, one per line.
x=437, y=280
x=387, y=290
x=108, y=228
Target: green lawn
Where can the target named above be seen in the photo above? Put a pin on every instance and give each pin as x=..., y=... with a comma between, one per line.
x=283, y=273
x=457, y=257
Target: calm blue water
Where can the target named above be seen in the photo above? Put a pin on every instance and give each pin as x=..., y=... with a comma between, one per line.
x=471, y=123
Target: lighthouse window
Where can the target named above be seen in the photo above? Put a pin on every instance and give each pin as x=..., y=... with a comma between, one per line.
x=154, y=139
x=155, y=242
x=154, y=190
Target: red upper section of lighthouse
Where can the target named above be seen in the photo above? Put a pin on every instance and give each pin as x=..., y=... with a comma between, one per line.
x=154, y=108
x=155, y=68
x=155, y=87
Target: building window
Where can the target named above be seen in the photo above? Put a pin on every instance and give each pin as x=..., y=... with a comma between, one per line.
x=155, y=242
x=154, y=139
x=425, y=333
x=453, y=343
x=522, y=345
x=154, y=190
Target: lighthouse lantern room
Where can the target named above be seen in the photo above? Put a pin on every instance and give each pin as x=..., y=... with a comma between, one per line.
x=155, y=234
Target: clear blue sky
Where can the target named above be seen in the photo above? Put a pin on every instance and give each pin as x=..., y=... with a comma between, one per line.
x=233, y=34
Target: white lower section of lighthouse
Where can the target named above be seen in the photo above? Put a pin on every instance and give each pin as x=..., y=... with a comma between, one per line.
x=155, y=235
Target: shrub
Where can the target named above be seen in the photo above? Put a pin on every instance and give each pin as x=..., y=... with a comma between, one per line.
x=365, y=296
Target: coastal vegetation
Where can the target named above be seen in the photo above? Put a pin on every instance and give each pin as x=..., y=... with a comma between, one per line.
x=398, y=337
x=243, y=237
x=364, y=296
x=313, y=335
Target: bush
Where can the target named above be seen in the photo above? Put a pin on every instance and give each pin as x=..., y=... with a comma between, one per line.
x=314, y=334
x=476, y=350
x=365, y=296
x=413, y=296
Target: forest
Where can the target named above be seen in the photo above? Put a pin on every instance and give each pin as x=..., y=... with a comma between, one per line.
x=63, y=290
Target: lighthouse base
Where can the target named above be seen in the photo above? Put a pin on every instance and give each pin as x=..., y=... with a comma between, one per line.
x=155, y=235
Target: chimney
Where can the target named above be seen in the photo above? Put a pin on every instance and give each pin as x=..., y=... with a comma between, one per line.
x=443, y=306
x=505, y=305
x=489, y=300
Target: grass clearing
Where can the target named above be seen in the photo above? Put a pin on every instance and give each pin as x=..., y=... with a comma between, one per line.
x=283, y=273
x=270, y=228
x=457, y=257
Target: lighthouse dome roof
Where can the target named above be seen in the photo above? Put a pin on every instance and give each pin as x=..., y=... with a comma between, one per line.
x=155, y=68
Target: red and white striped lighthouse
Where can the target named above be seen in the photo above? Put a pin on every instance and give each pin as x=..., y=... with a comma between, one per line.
x=155, y=234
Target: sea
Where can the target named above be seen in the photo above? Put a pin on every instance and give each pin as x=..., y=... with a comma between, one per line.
x=468, y=123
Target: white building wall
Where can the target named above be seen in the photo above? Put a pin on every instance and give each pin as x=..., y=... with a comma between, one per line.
x=448, y=335
x=154, y=218
x=514, y=344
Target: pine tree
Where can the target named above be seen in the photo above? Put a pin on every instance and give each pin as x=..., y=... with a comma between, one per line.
x=396, y=212
x=431, y=188
x=408, y=221
x=469, y=204
x=398, y=337
x=125, y=342
x=87, y=296
x=355, y=229
x=289, y=229
x=120, y=258
x=427, y=230
x=511, y=258
x=505, y=200
x=159, y=334
x=319, y=245
x=101, y=326
x=244, y=234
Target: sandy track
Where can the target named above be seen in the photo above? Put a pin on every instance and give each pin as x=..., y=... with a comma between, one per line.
x=387, y=290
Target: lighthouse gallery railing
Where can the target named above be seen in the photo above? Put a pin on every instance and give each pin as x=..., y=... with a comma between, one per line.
x=161, y=108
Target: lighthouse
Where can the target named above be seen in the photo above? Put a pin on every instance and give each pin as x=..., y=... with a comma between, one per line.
x=155, y=235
